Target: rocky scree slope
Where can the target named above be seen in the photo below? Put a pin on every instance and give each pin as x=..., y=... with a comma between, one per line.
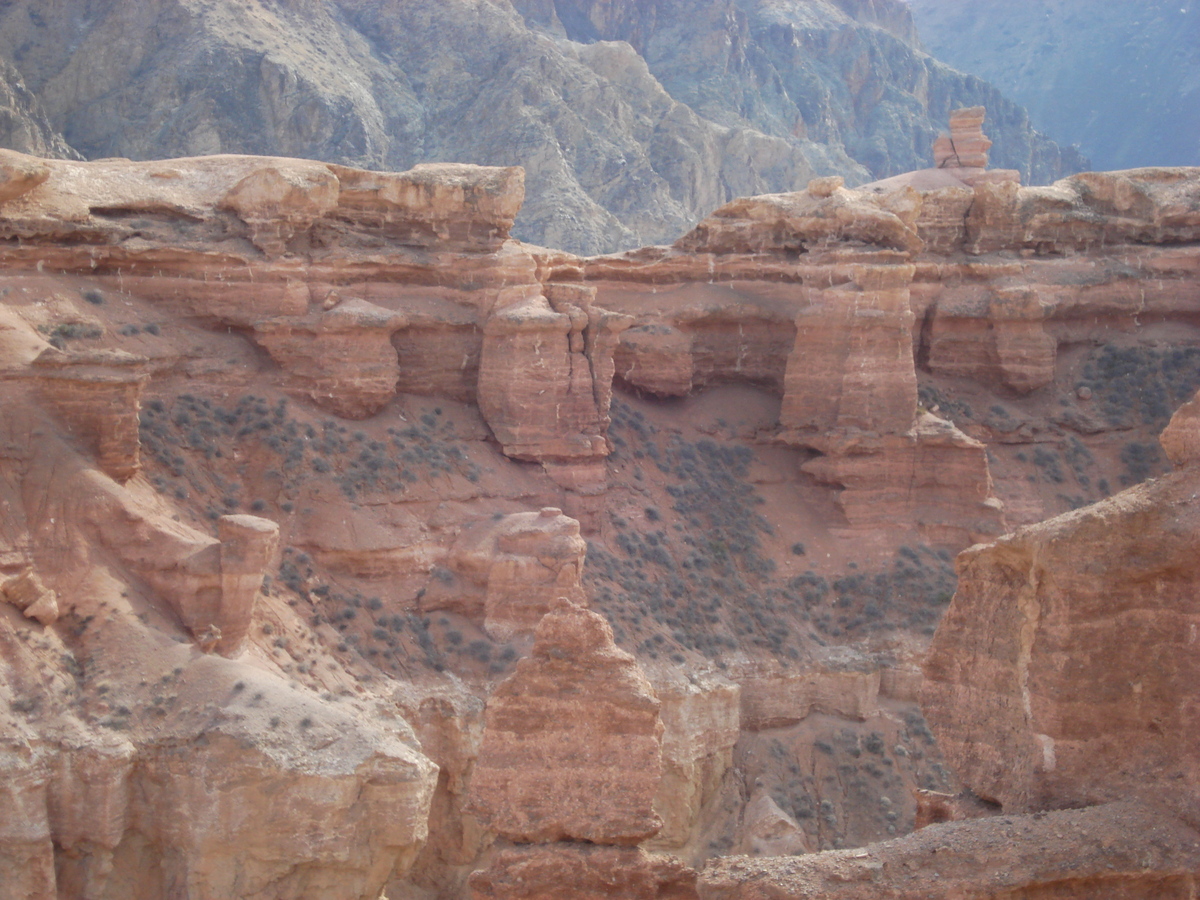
x=314, y=476
x=631, y=121
x=1120, y=81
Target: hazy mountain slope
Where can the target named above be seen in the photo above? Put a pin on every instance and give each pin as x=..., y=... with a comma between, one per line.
x=1120, y=79
x=848, y=74
x=623, y=143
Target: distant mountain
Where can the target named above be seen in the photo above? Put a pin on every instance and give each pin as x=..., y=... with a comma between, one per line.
x=1118, y=78
x=632, y=118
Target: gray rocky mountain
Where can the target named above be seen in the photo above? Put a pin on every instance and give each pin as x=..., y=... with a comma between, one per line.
x=632, y=119
x=1121, y=79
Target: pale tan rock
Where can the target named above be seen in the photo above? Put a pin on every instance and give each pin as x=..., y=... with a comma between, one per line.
x=572, y=747
x=27, y=593
x=701, y=724
x=278, y=203
x=256, y=820
x=790, y=224
x=26, y=849
x=827, y=186
x=768, y=831
x=774, y=698
x=434, y=203
x=1118, y=850
x=20, y=174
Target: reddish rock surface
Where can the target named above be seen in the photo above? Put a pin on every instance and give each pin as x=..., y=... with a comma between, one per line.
x=521, y=565
x=572, y=747
x=211, y=578
x=584, y=872
x=1061, y=674
x=98, y=397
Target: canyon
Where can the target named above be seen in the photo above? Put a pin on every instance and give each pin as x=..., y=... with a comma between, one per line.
x=352, y=547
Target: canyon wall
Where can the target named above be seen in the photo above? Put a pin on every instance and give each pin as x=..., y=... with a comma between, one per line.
x=327, y=500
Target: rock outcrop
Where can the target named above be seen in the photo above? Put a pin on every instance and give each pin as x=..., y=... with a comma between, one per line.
x=965, y=146
x=810, y=295
x=1059, y=676
x=343, y=358
x=593, y=873
x=701, y=724
x=572, y=746
x=97, y=396
x=519, y=565
x=545, y=375
x=569, y=768
x=1058, y=680
x=819, y=349
x=27, y=593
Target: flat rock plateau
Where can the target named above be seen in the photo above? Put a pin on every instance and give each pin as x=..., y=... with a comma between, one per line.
x=632, y=119
x=845, y=547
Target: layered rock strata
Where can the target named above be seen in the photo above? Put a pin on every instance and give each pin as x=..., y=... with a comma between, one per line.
x=965, y=146
x=231, y=780
x=591, y=872
x=569, y=769
x=97, y=395
x=575, y=722
x=808, y=295
x=1079, y=694
x=1060, y=679
x=545, y=375
x=518, y=567
x=701, y=724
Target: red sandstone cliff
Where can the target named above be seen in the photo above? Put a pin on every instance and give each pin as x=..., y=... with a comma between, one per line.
x=297, y=458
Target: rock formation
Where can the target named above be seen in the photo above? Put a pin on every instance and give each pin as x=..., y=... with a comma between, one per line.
x=545, y=375
x=343, y=357
x=1058, y=680
x=212, y=576
x=593, y=873
x=965, y=146
x=630, y=131
x=1109, y=588
x=1118, y=850
x=26, y=592
x=569, y=768
x=97, y=395
x=575, y=723
x=521, y=565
